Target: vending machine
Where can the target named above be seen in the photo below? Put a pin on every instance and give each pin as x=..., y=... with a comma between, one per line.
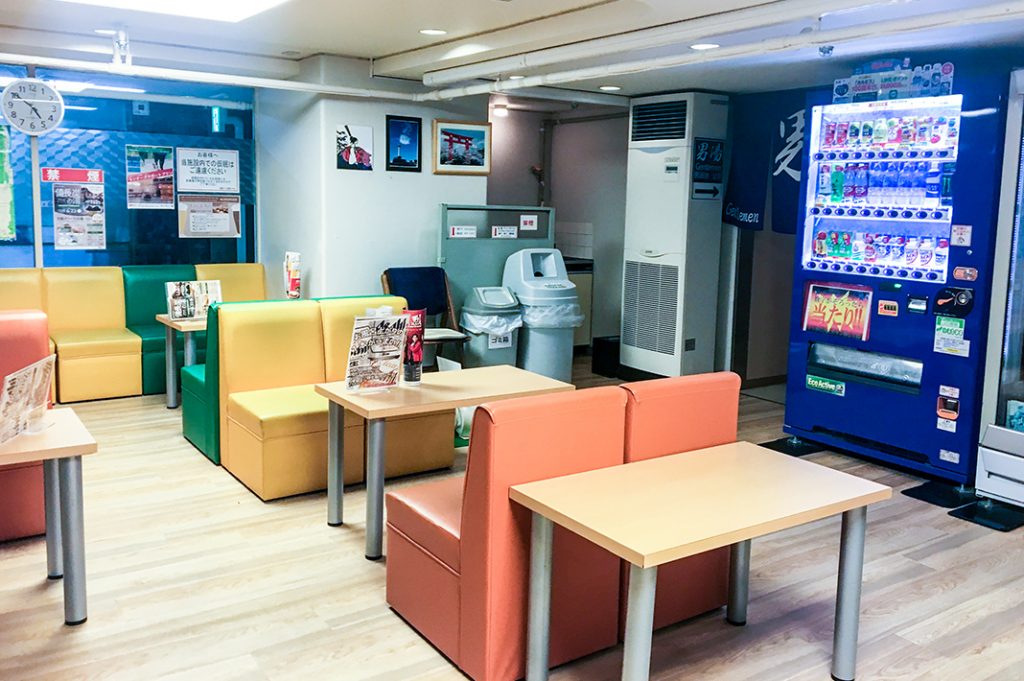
x=893, y=273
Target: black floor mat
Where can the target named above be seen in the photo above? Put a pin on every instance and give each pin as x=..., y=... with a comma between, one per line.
x=942, y=494
x=793, y=446
x=991, y=514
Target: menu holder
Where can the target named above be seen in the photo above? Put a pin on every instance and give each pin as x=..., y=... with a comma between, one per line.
x=375, y=354
x=188, y=300
x=25, y=398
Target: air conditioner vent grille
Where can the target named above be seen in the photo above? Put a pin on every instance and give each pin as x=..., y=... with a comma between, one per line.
x=650, y=306
x=659, y=121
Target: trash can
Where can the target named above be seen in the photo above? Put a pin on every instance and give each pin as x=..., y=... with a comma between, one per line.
x=550, y=310
x=491, y=318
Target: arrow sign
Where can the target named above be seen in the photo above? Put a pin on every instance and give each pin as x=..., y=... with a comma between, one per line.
x=706, y=192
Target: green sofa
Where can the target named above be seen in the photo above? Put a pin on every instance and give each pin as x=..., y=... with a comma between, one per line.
x=145, y=297
x=200, y=415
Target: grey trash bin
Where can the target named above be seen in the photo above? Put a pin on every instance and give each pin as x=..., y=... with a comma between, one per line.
x=491, y=318
x=550, y=310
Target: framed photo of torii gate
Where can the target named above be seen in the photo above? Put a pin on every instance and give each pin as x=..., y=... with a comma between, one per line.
x=462, y=148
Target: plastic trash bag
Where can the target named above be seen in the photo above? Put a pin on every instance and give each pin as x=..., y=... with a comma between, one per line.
x=562, y=316
x=491, y=324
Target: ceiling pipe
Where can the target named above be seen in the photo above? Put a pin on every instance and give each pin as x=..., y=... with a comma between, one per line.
x=995, y=13
x=680, y=32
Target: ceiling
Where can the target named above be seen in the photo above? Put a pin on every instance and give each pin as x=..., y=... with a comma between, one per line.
x=274, y=43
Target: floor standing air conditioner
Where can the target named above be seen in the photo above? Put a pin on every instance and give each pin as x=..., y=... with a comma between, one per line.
x=674, y=191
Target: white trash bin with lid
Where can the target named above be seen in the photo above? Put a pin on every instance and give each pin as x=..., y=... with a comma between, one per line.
x=491, y=318
x=550, y=310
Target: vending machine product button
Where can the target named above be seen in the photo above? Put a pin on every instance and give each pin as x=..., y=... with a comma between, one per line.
x=944, y=153
x=883, y=154
x=897, y=154
x=922, y=214
x=847, y=268
x=902, y=273
x=810, y=265
x=835, y=267
x=875, y=270
x=907, y=214
x=827, y=211
x=857, y=155
x=840, y=211
x=879, y=213
x=893, y=214
x=819, y=156
x=937, y=215
x=815, y=210
x=844, y=156
x=832, y=156
x=871, y=154
x=861, y=269
x=916, y=275
x=928, y=154
x=911, y=154
x=932, y=276
x=865, y=212
x=888, y=271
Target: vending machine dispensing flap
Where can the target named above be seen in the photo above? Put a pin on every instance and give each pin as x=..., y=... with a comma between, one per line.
x=860, y=366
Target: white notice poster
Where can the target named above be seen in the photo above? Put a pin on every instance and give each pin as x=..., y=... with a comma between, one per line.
x=208, y=170
x=208, y=217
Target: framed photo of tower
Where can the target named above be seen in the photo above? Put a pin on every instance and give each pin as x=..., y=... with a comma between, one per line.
x=462, y=148
x=405, y=144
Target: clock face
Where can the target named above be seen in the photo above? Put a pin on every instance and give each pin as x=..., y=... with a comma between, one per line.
x=32, y=106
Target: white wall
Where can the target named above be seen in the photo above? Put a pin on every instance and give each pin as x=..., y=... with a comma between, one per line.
x=349, y=225
x=588, y=185
x=518, y=145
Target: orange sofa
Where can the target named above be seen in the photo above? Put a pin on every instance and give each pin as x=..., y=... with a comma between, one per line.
x=24, y=339
x=458, y=548
x=668, y=416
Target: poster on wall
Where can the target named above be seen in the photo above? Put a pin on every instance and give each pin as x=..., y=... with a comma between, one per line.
x=150, y=177
x=79, y=217
x=404, y=137
x=838, y=310
x=209, y=217
x=207, y=170
x=462, y=148
x=7, y=224
x=354, y=145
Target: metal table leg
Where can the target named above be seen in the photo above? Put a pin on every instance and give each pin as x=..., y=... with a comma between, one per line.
x=538, y=622
x=51, y=500
x=636, y=658
x=335, y=463
x=739, y=583
x=190, y=348
x=73, y=539
x=375, y=489
x=171, y=364
x=851, y=573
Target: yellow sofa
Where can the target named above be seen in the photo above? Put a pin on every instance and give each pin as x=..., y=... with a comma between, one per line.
x=274, y=425
x=238, y=281
x=97, y=356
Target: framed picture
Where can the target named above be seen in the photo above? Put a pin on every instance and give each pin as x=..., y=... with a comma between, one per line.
x=354, y=147
x=405, y=143
x=462, y=148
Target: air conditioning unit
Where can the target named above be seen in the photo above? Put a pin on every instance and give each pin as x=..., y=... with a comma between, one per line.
x=674, y=185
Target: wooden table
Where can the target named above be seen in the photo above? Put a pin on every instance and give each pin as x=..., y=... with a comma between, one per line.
x=656, y=511
x=60, y=447
x=187, y=327
x=438, y=392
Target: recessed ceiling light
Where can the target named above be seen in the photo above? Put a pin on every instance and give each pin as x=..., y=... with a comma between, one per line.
x=433, y=31
x=105, y=31
x=705, y=46
x=516, y=77
x=610, y=88
x=75, y=107
x=222, y=10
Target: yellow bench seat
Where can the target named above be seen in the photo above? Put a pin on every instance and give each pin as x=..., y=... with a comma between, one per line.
x=96, y=342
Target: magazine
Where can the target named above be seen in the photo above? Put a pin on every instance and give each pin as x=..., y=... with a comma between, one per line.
x=375, y=356
x=191, y=299
x=22, y=392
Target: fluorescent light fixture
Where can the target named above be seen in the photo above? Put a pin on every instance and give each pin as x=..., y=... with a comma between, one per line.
x=500, y=110
x=610, y=88
x=516, y=77
x=75, y=107
x=74, y=86
x=105, y=31
x=433, y=31
x=704, y=46
x=114, y=88
x=231, y=11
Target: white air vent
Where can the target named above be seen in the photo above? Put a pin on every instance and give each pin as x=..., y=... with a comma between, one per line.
x=659, y=121
x=650, y=306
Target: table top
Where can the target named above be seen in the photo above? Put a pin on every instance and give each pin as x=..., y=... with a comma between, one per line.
x=183, y=325
x=441, y=335
x=443, y=391
x=65, y=437
x=656, y=511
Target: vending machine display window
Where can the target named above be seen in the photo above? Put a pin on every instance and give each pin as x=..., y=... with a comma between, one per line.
x=880, y=189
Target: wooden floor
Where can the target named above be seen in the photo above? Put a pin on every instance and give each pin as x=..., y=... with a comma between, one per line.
x=192, y=577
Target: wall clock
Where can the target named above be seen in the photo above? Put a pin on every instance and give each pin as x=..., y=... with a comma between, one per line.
x=32, y=106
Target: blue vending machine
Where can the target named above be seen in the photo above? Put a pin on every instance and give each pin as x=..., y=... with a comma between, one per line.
x=892, y=282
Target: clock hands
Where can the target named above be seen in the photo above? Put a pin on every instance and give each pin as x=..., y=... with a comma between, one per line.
x=30, y=105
